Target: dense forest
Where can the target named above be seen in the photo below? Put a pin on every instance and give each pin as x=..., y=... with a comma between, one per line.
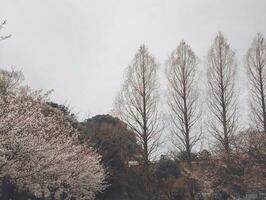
x=47, y=153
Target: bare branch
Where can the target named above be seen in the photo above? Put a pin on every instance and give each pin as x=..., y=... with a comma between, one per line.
x=256, y=69
x=183, y=97
x=137, y=105
x=222, y=98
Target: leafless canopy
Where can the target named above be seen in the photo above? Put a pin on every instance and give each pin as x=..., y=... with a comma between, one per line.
x=137, y=105
x=183, y=97
x=222, y=97
x=10, y=80
x=256, y=68
x=137, y=102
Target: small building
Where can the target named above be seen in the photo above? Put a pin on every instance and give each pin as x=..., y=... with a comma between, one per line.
x=133, y=163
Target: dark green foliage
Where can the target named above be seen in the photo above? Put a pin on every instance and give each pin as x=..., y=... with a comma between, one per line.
x=9, y=191
x=117, y=145
x=182, y=156
x=167, y=169
x=166, y=177
x=61, y=107
x=220, y=195
x=204, y=155
x=71, y=117
x=111, y=139
x=179, y=194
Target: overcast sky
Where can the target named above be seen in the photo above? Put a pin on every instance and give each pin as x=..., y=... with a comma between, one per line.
x=80, y=48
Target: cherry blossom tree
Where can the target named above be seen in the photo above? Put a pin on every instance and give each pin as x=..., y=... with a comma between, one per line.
x=40, y=151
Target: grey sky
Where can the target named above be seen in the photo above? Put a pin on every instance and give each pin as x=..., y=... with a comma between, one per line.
x=80, y=48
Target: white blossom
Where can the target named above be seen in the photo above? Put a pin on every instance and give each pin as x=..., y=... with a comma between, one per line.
x=40, y=151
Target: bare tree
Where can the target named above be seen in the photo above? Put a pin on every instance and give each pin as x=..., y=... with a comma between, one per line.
x=183, y=102
x=10, y=81
x=222, y=97
x=182, y=98
x=2, y=24
x=256, y=67
x=137, y=105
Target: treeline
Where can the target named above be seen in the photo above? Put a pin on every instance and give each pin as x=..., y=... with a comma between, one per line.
x=46, y=153
x=238, y=157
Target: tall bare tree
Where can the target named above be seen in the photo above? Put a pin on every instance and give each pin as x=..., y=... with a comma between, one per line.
x=222, y=97
x=256, y=68
x=183, y=102
x=183, y=98
x=137, y=105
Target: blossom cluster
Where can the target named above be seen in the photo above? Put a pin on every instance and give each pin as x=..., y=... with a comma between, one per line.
x=40, y=151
